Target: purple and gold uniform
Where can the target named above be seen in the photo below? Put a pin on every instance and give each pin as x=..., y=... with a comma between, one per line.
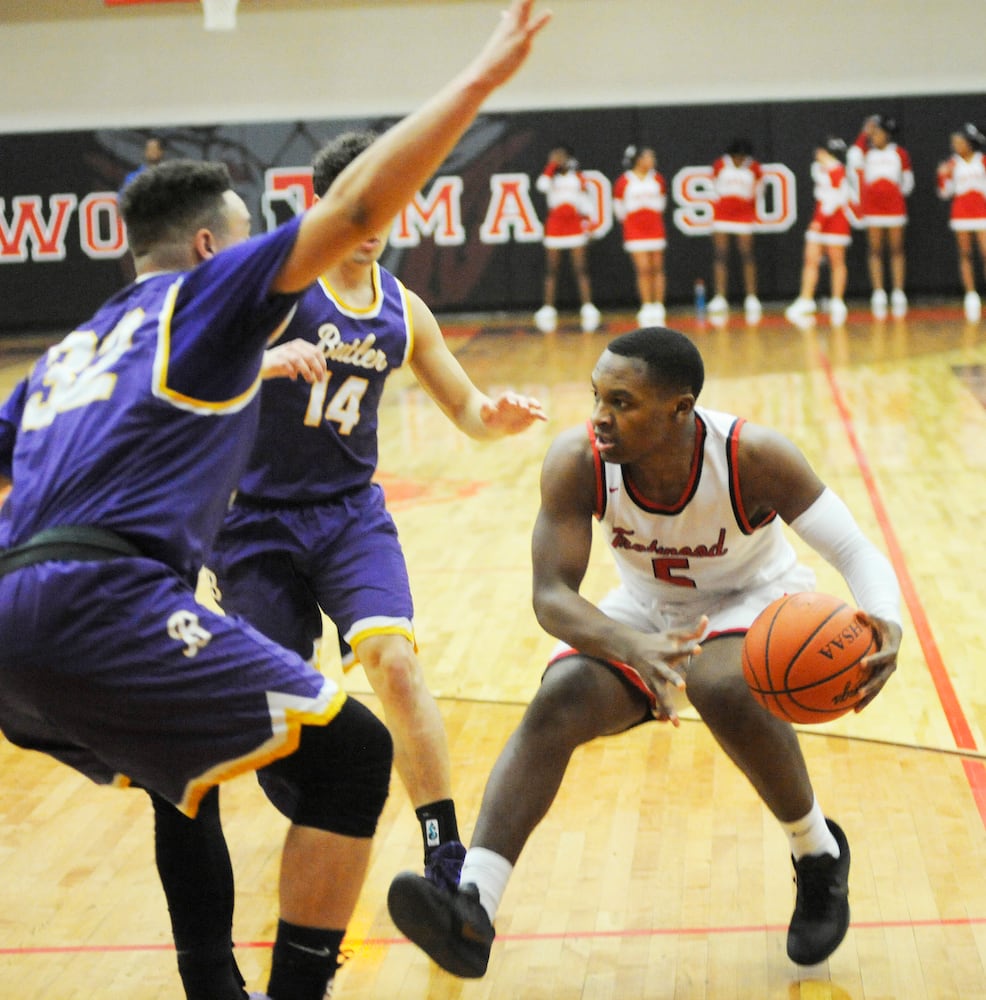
x=139, y=423
x=309, y=529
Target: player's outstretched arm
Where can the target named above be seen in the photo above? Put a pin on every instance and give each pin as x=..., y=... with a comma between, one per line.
x=439, y=373
x=384, y=178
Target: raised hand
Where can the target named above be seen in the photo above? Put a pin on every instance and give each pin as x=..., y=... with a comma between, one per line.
x=509, y=44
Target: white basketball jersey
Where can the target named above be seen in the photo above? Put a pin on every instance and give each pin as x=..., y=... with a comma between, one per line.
x=701, y=549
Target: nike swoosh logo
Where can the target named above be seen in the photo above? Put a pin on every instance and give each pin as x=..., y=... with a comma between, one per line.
x=320, y=952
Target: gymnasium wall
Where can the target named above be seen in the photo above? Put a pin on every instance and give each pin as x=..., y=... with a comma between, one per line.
x=83, y=84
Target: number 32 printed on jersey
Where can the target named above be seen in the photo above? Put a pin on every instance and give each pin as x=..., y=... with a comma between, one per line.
x=77, y=371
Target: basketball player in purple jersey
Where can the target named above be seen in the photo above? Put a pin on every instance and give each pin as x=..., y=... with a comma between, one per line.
x=123, y=446
x=309, y=531
x=690, y=502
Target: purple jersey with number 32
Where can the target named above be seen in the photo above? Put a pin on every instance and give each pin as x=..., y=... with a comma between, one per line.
x=183, y=382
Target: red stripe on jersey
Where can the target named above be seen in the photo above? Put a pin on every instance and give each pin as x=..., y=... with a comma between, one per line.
x=735, y=496
x=690, y=487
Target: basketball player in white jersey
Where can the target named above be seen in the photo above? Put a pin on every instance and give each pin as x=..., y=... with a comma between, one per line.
x=691, y=504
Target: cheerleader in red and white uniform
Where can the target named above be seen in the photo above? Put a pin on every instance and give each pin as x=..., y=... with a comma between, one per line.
x=884, y=180
x=828, y=234
x=566, y=229
x=963, y=179
x=736, y=177
x=639, y=199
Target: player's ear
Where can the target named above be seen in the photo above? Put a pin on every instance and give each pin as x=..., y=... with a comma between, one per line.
x=685, y=404
x=204, y=244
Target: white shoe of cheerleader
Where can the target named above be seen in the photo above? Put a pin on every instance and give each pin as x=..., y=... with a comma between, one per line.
x=651, y=314
x=800, y=309
x=546, y=319
x=590, y=317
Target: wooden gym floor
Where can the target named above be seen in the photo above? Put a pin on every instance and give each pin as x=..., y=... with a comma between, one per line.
x=657, y=874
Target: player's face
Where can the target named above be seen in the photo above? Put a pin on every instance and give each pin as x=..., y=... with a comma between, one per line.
x=632, y=418
x=371, y=248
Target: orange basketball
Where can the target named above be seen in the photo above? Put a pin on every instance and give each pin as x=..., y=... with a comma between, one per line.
x=801, y=657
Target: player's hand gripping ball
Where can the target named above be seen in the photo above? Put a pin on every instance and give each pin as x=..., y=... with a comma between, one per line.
x=802, y=656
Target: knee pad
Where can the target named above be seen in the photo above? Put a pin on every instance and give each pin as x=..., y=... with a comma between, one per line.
x=338, y=778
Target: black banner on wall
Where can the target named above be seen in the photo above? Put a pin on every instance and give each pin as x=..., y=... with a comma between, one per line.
x=471, y=241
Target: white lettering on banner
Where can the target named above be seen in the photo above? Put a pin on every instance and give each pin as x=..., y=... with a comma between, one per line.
x=600, y=198
x=511, y=212
x=102, y=235
x=27, y=232
x=28, y=225
x=693, y=192
x=439, y=215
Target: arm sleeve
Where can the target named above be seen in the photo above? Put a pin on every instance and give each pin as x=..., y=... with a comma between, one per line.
x=831, y=530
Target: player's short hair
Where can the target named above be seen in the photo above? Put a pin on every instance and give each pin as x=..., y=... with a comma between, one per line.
x=336, y=155
x=168, y=203
x=673, y=360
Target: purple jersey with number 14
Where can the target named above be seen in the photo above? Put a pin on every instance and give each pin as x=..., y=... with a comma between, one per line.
x=317, y=443
x=142, y=420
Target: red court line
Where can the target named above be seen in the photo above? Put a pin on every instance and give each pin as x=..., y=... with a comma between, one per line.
x=587, y=935
x=954, y=714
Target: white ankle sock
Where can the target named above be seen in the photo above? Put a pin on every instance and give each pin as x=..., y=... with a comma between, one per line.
x=811, y=835
x=489, y=872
